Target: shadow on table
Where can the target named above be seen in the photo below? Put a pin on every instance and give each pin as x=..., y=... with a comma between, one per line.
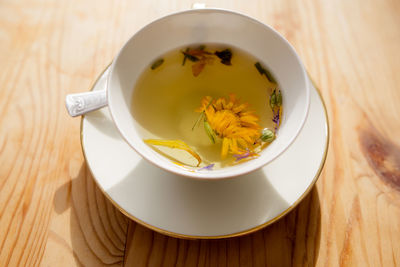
x=97, y=229
x=101, y=235
x=293, y=240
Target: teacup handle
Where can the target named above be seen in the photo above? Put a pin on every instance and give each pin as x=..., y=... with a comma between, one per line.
x=81, y=103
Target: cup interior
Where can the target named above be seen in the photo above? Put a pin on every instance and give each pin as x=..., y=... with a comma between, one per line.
x=209, y=26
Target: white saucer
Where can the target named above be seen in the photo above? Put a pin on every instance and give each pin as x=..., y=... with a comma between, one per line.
x=189, y=208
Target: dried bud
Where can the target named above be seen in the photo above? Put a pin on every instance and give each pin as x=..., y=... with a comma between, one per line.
x=267, y=135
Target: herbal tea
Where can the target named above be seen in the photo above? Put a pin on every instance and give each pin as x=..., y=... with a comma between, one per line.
x=207, y=106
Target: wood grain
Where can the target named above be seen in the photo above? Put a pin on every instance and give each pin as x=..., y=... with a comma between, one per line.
x=292, y=240
x=52, y=213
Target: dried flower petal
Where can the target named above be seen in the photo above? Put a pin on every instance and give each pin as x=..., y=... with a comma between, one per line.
x=225, y=56
x=208, y=167
x=245, y=155
x=197, y=68
x=225, y=147
x=198, y=53
x=174, y=144
x=233, y=122
x=277, y=117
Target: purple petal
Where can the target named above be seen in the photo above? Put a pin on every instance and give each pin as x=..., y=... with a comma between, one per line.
x=276, y=118
x=208, y=167
x=244, y=155
x=241, y=156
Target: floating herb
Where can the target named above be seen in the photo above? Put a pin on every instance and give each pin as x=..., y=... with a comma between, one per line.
x=225, y=56
x=202, y=114
x=267, y=135
x=272, y=100
x=260, y=69
x=199, y=53
x=157, y=63
x=174, y=144
x=232, y=122
x=210, y=132
x=208, y=167
x=279, y=98
x=198, y=120
x=245, y=155
x=189, y=56
x=270, y=77
x=198, y=67
x=184, y=56
x=265, y=72
x=275, y=99
x=277, y=117
x=201, y=57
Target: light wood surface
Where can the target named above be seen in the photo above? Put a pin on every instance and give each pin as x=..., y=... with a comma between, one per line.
x=52, y=213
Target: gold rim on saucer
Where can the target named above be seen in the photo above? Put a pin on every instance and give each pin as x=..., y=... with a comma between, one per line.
x=248, y=231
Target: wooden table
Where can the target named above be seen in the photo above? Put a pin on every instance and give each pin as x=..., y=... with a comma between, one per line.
x=51, y=212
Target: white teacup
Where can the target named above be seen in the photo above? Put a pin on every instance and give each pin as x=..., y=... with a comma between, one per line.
x=202, y=26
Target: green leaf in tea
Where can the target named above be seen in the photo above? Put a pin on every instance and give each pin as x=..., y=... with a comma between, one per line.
x=267, y=135
x=270, y=77
x=184, y=56
x=225, y=56
x=189, y=56
x=157, y=63
x=265, y=72
x=210, y=132
x=260, y=69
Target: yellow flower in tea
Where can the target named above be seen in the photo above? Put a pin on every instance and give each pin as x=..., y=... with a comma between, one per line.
x=233, y=122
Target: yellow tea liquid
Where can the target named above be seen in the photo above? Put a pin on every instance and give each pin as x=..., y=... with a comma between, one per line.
x=165, y=100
